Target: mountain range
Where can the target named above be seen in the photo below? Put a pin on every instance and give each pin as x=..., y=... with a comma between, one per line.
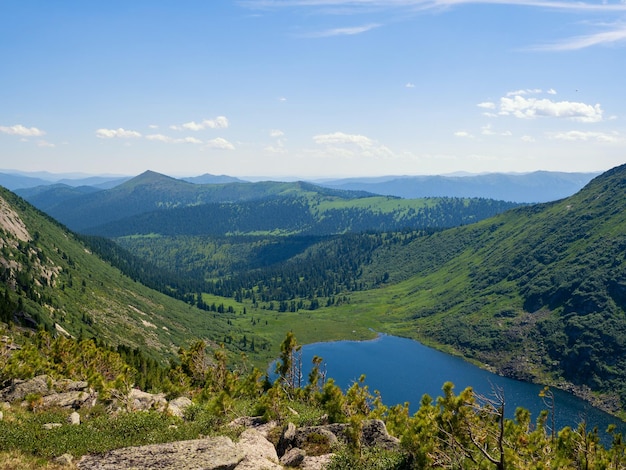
x=536, y=292
x=539, y=186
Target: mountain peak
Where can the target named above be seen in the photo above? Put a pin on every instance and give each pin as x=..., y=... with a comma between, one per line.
x=152, y=179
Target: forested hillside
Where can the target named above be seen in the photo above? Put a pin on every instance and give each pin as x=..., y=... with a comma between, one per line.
x=538, y=292
x=305, y=215
x=52, y=281
x=152, y=191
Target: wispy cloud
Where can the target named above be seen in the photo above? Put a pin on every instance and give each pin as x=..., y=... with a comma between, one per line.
x=396, y=4
x=117, y=133
x=347, y=31
x=22, y=131
x=45, y=144
x=602, y=137
x=615, y=35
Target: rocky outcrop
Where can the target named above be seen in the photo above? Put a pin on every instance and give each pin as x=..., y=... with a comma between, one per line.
x=208, y=454
x=251, y=452
x=20, y=389
x=306, y=448
x=177, y=406
x=259, y=452
x=322, y=439
x=144, y=401
x=47, y=392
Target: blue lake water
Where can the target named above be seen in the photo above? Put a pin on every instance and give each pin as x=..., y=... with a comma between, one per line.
x=403, y=370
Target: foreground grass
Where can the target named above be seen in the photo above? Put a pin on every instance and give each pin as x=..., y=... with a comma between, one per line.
x=16, y=460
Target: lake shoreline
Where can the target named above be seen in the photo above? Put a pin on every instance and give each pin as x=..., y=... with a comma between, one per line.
x=605, y=404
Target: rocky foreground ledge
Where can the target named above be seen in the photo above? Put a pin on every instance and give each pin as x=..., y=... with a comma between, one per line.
x=260, y=445
x=252, y=451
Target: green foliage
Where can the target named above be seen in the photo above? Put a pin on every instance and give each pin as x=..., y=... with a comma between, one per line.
x=370, y=459
x=61, y=357
x=462, y=431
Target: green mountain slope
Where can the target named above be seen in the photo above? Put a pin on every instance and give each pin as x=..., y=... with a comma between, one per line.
x=537, y=292
x=305, y=214
x=51, y=279
x=152, y=191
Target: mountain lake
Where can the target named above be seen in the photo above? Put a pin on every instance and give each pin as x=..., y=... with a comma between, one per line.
x=403, y=370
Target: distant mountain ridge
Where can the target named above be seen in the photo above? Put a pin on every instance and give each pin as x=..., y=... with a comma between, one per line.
x=161, y=204
x=150, y=191
x=539, y=186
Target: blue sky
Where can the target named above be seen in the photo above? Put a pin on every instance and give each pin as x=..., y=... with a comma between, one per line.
x=312, y=88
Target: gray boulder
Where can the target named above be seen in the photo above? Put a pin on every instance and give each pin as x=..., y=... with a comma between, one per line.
x=293, y=458
x=74, y=419
x=259, y=452
x=215, y=453
x=19, y=389
x=144, y=401
x=375, y=434
x=66, y=400
x=177, y=406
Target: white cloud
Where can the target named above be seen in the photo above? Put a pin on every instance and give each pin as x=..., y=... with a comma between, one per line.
x=159, y=138
x=463, y=135
x=278, y=149
x=487, y=105
x=530, y=108
x=169, y=140
x=488, y=130
x=220, y=122
x=528, y=138
x=189, y=140
x=602, y=137
x=117, y=133
x=276, y=133
x=352, y=145
x=21, y=130
x=220, y=143
x=527, y=91
x=339, y=138
x=348, y=31
x=45, y=144
x=409, y=85
x=551, y=91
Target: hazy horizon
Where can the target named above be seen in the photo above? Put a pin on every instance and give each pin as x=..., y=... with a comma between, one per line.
x=312, y=88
